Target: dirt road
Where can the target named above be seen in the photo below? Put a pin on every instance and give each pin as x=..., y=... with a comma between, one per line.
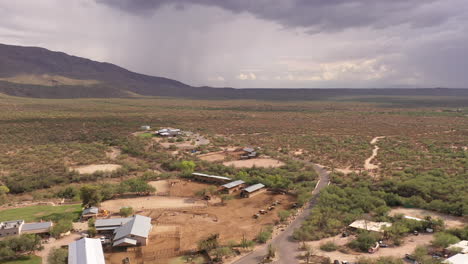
x=286, y=246
x=367, y=164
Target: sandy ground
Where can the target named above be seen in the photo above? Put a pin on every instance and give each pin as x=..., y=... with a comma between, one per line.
x=176, y=229
x=56, y=243
x=260, y=162
x=89, y=169
x=368, y=165
x=151, y=202
x=162, y=186
x=213, y=156
x=410, y=244
x=450, y=221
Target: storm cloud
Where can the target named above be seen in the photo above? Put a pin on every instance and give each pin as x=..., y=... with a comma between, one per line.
x=261, y=43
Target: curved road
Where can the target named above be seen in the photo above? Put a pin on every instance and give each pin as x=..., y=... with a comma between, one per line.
x=286, y=247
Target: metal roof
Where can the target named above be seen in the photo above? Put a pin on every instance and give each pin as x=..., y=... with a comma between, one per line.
x=36, y=226
x=233, y=184
x=111, y=222
x=90, y=210
x=255, y=187
x=457, y=259
x=125, y=241
x=370, y=225
x=86, y=251
x=211, y=176
x=11, y=224
x=138, y=226
x=462, y=244
x=248, y=149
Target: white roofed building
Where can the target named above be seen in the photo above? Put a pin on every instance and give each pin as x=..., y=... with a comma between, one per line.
x=86, y=251
x=457, y=259
x=463, y=245
x=370, y=225
x=134, y=232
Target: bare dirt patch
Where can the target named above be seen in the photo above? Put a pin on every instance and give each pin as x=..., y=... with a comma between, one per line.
x=450, y=221
x=212, y=157
x=162, y=186
x=260, y=162
x=89, y=169
x=151, y=202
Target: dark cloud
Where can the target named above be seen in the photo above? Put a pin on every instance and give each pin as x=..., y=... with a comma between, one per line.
x=318, y=15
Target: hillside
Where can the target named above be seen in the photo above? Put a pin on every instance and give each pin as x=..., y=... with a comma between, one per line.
x=41, y=73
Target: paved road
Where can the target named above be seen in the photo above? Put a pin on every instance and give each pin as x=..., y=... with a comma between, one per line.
x=286, y=246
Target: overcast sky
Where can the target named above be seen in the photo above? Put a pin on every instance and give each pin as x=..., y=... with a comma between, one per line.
x=257, y=43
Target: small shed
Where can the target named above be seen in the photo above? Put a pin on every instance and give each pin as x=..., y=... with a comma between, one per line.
x=90, y=212
x=168, y=132
x=145, y=127
x=232, y=187
x=253, y=190
x=249, y=153
x=210, y=178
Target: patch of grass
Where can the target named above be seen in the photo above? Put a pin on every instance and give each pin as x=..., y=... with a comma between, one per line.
x=45, y=212
x=329, y=246
x=25, y=260
x=146, y=135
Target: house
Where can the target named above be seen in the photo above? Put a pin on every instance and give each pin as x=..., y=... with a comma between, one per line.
x=110, y=225
x=145, y=128
x=248, y=153
x=168, y=132
x=17, y=227
x=232, y=187
x=10, y=228
x=457, y=259
x=90, y=212
x=253, y=190
x=210, y=178
x=133, y=233
x=463, y=245
x=85, y=251
x=370, y=225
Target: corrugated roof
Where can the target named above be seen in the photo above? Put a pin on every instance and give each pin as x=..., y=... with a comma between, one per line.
x=138, y=226
x=457, y=259
x=248, y=149
x=233, y=184
x=370, y=225
x=11, y=224
x=36, y=226
x=211, y=176
x=90, y=210
x=126, y=241
x=462, y=244
x=86, y=251
x=111, y=222
x=255, y=187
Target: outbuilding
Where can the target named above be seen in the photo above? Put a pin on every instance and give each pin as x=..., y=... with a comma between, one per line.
x=370, y=225
x=133, y=233
x=90, y=212
x=462, y=246
x=253, y=190
x=86, y=251
x=232, y=187
x=457, y=259
x=210, y=178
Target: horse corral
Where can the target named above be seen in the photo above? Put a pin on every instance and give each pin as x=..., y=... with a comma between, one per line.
x=177, y=230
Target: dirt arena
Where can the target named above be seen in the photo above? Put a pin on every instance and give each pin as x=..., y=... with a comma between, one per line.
x=259, y=162
x=179, y=229
x=89, y=169
x=450, y=220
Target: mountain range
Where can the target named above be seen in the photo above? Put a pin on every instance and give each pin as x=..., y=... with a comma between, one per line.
x=41, y=73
